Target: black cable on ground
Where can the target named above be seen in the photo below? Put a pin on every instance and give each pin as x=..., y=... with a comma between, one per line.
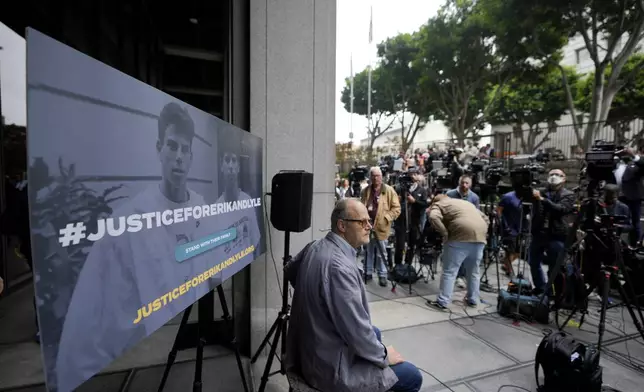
x=512, y=386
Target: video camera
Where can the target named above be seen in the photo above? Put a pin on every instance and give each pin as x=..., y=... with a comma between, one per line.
x=601, y=162
x=524, y=177
x=449, y=157
x=493, y=174
x=404, y=181
x=542, y=156
x=356, y=176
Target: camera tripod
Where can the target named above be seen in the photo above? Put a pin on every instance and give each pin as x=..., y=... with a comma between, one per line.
x=492, y=248
x=608, y=273
x=387, y=260
x=524, y=239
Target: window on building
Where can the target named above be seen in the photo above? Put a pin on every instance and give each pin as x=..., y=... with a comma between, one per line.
x=582, y=55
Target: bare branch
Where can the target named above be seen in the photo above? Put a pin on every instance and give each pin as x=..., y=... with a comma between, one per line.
x=622, y=58
x=617, y=35
x=583, y=30
x=569, y=98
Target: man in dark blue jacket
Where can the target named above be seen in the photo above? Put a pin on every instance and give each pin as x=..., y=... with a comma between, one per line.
x=633, y=190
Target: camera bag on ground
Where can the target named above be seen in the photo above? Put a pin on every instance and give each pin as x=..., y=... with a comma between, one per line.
x=404, y=274
x=568, y=365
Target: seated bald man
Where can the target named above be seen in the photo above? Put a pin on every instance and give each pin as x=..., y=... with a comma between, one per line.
x=331, y=342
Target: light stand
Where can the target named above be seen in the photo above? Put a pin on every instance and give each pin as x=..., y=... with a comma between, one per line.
x=279, y=327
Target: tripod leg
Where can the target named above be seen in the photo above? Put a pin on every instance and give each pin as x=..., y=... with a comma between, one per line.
x=629, y=307
x=265, y=341
x=271, y=355
x=602, y=317
x=173, y=352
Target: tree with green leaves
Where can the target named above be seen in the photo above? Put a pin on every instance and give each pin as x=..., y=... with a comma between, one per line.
x=381, y=115
x=532, y=103
x=399, y=86
x=611, y=32
x=458, y=62
x=396, y=98
x=628, y=104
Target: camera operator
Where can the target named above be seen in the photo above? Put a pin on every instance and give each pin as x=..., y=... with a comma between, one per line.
x=549, y=229
x=612, y=206
x=456, y=165
x=633, y=190
x=464, y=192
x=464, y=228
x=510, y=211
x=383, y=207
x=416, y=201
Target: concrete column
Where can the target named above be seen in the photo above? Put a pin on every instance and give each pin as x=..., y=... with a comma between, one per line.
x=292, y=107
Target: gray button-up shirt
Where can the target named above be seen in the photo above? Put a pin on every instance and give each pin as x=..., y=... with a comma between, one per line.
x=331, y=341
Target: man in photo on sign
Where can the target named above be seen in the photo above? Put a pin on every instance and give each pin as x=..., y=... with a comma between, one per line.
x=244, y=221
x=124, y=274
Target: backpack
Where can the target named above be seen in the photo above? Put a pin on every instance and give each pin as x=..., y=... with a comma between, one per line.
x=404, y=274
x=568, y=365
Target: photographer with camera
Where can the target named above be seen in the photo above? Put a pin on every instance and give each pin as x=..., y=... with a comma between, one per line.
x=633, y=189
x=510, y=210
x=549, y=229
x=456, y=165
x=464, y=191
x=416, y=201
x=383, y=207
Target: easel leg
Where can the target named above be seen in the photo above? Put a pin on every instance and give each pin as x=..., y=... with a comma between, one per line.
x=233, y=341
x=197, y=384
x=173, y=352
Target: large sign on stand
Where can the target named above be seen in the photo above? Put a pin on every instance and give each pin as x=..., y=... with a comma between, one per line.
x=140, y=205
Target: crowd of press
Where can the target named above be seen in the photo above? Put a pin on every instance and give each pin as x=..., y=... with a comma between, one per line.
x=411, y=202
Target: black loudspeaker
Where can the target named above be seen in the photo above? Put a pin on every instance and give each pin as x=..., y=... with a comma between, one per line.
x=291, y=200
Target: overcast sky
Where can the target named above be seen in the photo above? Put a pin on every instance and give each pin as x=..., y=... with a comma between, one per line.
x=389, y=18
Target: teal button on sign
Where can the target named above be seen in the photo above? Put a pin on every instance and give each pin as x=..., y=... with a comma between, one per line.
x=194, y=248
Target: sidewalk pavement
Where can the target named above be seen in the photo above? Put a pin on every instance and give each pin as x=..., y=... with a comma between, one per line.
x=465, y=350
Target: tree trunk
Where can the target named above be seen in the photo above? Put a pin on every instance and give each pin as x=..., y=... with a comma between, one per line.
x=519, y=134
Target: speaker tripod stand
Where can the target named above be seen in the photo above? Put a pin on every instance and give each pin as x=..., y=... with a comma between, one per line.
x=279, y=328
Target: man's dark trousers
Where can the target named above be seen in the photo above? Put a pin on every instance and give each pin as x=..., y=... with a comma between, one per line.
x=409, y=377
x=635, y=206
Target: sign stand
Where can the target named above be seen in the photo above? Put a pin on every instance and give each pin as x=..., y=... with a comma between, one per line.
x=205, y=332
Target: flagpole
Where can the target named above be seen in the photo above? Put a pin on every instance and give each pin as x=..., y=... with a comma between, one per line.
x=351, y=99
x=369, y=72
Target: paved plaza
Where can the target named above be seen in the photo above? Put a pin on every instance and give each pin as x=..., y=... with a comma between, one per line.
x=465, y=349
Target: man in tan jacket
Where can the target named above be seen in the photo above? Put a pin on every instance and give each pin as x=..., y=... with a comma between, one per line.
x=383, y=207
x=464, y=228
